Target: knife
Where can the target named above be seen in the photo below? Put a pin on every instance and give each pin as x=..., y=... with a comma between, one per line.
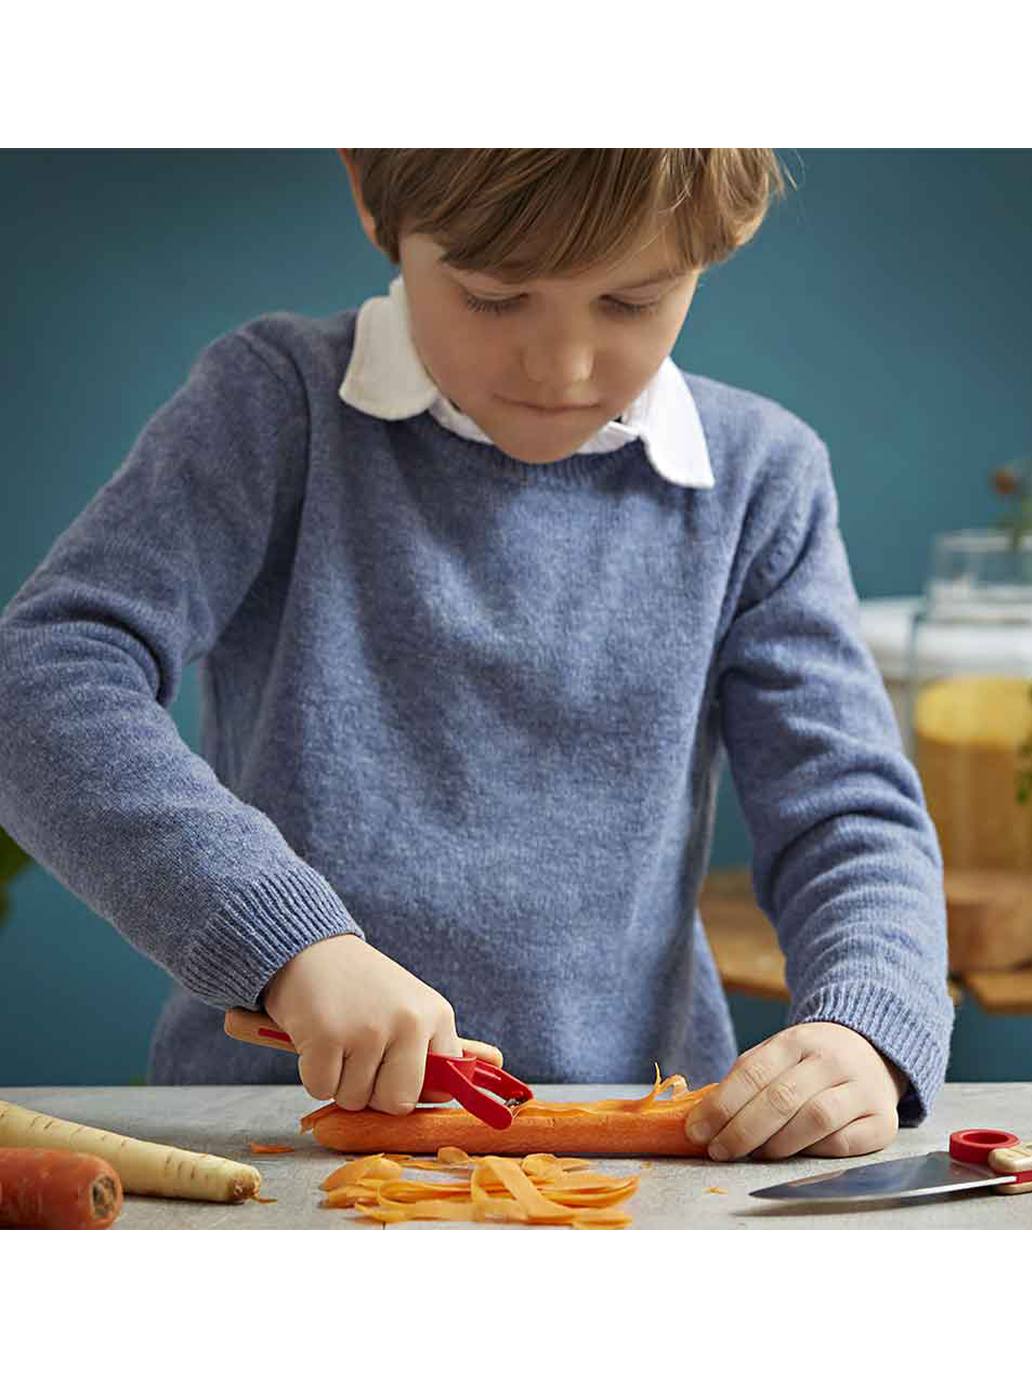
x=977, y=1158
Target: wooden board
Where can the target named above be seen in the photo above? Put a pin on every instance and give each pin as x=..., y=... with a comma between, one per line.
x=1002, y=992
x=745, y=946
x=990, y=919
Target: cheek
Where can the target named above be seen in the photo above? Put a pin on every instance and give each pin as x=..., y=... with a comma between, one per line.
x=445, y=334
x=472, y=359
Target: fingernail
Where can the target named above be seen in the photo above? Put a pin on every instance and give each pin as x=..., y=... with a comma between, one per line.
x=699, y=1130
x=719, y=1152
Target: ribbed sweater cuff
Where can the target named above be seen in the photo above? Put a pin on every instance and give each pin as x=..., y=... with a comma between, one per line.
x=254, y=932
x=919, y=1047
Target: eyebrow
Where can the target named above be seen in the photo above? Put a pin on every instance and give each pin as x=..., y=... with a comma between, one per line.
x=657, y=279
x=669, y=275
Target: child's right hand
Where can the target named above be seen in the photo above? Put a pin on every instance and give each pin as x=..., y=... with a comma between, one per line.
x=363, y=1025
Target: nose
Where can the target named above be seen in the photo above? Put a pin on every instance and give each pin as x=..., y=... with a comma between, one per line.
x=558, y=363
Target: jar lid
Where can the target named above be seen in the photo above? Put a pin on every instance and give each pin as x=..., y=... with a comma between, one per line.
x=943, y=649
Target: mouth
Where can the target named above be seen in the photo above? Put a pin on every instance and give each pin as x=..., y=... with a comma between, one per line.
x=551, y=411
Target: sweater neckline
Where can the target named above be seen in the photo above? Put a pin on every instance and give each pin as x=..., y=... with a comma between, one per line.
x=579, y=470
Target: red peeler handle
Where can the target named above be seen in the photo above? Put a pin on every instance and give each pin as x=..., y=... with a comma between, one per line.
x=461, y=1076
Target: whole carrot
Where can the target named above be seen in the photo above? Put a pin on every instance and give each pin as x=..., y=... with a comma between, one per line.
x=53, y=1189
x=644, y=1128
x=145, y=1169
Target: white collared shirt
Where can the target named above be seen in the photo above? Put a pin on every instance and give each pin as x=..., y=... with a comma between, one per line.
x=385, y=377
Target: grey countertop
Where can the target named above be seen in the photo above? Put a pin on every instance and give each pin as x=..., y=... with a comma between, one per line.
x=674, y=1193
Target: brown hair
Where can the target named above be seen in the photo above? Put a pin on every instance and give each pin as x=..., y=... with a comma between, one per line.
x=522, y=213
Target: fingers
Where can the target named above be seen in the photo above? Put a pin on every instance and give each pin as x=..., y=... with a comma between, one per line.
x=319, y=1067
x=445, y=1040
x=868, y=1134
x=394, y=1084
x=794, y=1108
x=385, y=1078
x=830, y=1113
x=750, y=1076
x=487, y=1052
x=816, y=1087
x=400, y=1077
x=361, y=1064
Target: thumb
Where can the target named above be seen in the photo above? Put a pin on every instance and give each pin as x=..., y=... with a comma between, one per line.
x=487, y=1051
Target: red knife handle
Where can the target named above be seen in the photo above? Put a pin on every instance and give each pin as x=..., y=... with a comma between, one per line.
x=1001, y=1152
x=975, y=1145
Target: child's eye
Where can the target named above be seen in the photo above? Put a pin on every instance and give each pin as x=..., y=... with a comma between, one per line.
x=503, y=304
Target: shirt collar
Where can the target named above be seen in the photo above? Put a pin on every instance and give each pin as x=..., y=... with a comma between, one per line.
x=385, y=377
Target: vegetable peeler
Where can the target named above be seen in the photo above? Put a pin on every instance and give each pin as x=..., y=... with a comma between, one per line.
x=461, y=1077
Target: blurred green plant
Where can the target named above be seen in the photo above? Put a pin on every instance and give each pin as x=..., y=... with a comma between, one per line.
x=1016, y=486
x=1023, y=780
x=12, y=861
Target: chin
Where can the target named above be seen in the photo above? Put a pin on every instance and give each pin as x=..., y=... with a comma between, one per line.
x=536, y=454
x=538, y=450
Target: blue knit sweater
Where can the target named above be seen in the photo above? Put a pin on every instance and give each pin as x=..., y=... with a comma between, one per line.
x=473, y=710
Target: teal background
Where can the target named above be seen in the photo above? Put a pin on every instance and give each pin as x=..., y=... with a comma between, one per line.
x=887, y=301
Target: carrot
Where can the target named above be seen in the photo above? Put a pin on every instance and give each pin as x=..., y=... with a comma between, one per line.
x=145, y=1169
x=51, y=1189
x=617, y=1128
x=539, y=1190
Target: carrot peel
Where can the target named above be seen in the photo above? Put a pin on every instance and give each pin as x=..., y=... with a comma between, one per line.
x=540, y=1190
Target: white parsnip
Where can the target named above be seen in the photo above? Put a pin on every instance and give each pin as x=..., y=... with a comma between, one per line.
x=145, y=1169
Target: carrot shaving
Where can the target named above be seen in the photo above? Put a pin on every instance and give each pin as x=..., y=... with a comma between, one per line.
x=540, y=1190
x=271, y=1148
x=267, y=1200
x=316, y=1115
x=647, y=1105
x=375, y=1167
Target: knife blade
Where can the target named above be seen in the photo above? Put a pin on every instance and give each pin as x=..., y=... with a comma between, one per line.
x=972, y=1164
x=923, y=1175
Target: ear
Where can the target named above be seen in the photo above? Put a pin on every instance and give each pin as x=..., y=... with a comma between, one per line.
x=368, y=223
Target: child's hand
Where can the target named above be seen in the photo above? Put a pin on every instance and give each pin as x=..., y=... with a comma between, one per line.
x=818, y=1088
x=363, y=1025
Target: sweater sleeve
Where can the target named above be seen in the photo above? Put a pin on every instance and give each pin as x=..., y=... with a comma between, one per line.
x=846, y=862
x=95, y=781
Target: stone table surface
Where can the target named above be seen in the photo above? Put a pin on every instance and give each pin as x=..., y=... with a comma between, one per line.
x=674, y=1193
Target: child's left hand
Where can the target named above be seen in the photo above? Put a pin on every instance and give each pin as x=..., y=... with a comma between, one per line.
x=819, y=1088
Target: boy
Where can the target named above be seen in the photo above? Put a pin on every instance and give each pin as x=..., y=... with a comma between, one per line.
x=481, y=585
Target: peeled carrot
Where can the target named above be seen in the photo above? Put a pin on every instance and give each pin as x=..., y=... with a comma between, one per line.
x=52, y=1189
x=615, y=1128
x=145, y=1169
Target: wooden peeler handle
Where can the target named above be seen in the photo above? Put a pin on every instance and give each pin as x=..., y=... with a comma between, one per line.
x=251, y=1026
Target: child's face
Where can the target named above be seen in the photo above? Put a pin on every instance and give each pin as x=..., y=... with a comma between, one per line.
x=560, y=343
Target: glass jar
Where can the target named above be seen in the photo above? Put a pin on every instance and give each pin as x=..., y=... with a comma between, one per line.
x=969, y=699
